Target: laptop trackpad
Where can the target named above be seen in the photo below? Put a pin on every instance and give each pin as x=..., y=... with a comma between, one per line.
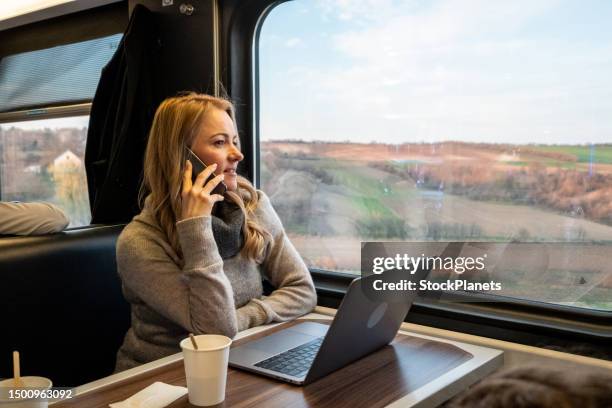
x=276, y=343
x=289, y=338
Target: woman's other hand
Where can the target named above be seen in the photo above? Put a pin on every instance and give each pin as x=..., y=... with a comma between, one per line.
x=196, y=198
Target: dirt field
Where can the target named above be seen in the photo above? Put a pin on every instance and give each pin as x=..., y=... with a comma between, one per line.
x=501, y=157
x=500, y=220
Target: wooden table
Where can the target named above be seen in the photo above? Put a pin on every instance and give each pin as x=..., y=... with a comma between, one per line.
x=414, y=370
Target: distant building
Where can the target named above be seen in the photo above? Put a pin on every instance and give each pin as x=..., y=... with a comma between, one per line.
x=67, y=160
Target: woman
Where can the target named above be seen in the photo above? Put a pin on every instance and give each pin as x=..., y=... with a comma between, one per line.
x=193, y=261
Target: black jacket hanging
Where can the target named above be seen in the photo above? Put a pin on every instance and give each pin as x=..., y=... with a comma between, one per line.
x=121, y=114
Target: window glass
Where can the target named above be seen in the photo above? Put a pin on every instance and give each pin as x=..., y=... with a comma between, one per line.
x=54, y=75
x=43, y=160
x=442, y=121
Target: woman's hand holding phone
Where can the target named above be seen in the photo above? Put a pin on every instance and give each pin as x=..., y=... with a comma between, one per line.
x=197, y=199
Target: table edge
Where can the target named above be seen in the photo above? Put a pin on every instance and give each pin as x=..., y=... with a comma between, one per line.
x=484, y=361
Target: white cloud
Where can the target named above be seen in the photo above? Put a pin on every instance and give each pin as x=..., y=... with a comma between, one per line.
x=364, y=12
x=293, y=42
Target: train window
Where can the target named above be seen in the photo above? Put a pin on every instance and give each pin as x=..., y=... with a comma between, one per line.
x=431, y=121
x=43, y=160
x=44, y=109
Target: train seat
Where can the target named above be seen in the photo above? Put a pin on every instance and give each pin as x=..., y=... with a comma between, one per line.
x=62, y=305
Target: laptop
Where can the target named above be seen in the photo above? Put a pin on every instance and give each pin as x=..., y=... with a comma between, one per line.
x=307, y=351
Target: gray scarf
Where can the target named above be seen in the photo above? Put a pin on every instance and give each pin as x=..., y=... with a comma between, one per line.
x=227, y=221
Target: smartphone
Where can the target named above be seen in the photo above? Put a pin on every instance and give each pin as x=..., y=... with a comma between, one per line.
x=197, y=166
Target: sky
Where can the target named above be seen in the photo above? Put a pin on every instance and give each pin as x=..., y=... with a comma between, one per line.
x=493, y=71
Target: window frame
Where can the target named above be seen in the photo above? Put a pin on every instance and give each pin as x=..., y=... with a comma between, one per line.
x=50, y=28
x=514, y=322
x=39, y=112
x=240, y=33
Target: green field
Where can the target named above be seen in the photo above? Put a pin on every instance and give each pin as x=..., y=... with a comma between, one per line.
x=546, y=163
x=369, y=193
x=601, y=153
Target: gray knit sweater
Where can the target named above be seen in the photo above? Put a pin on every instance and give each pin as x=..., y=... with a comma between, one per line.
x=171, y=297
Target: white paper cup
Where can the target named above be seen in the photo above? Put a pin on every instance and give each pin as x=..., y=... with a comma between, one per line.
x=206, y=368
x=30, y=383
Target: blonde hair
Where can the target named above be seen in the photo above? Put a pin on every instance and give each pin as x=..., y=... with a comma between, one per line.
x=174, y=127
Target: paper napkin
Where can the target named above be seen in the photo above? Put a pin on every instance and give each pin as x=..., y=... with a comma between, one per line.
x=156, y=395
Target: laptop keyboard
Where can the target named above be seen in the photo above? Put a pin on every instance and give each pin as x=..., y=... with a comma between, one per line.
x=295, y=361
